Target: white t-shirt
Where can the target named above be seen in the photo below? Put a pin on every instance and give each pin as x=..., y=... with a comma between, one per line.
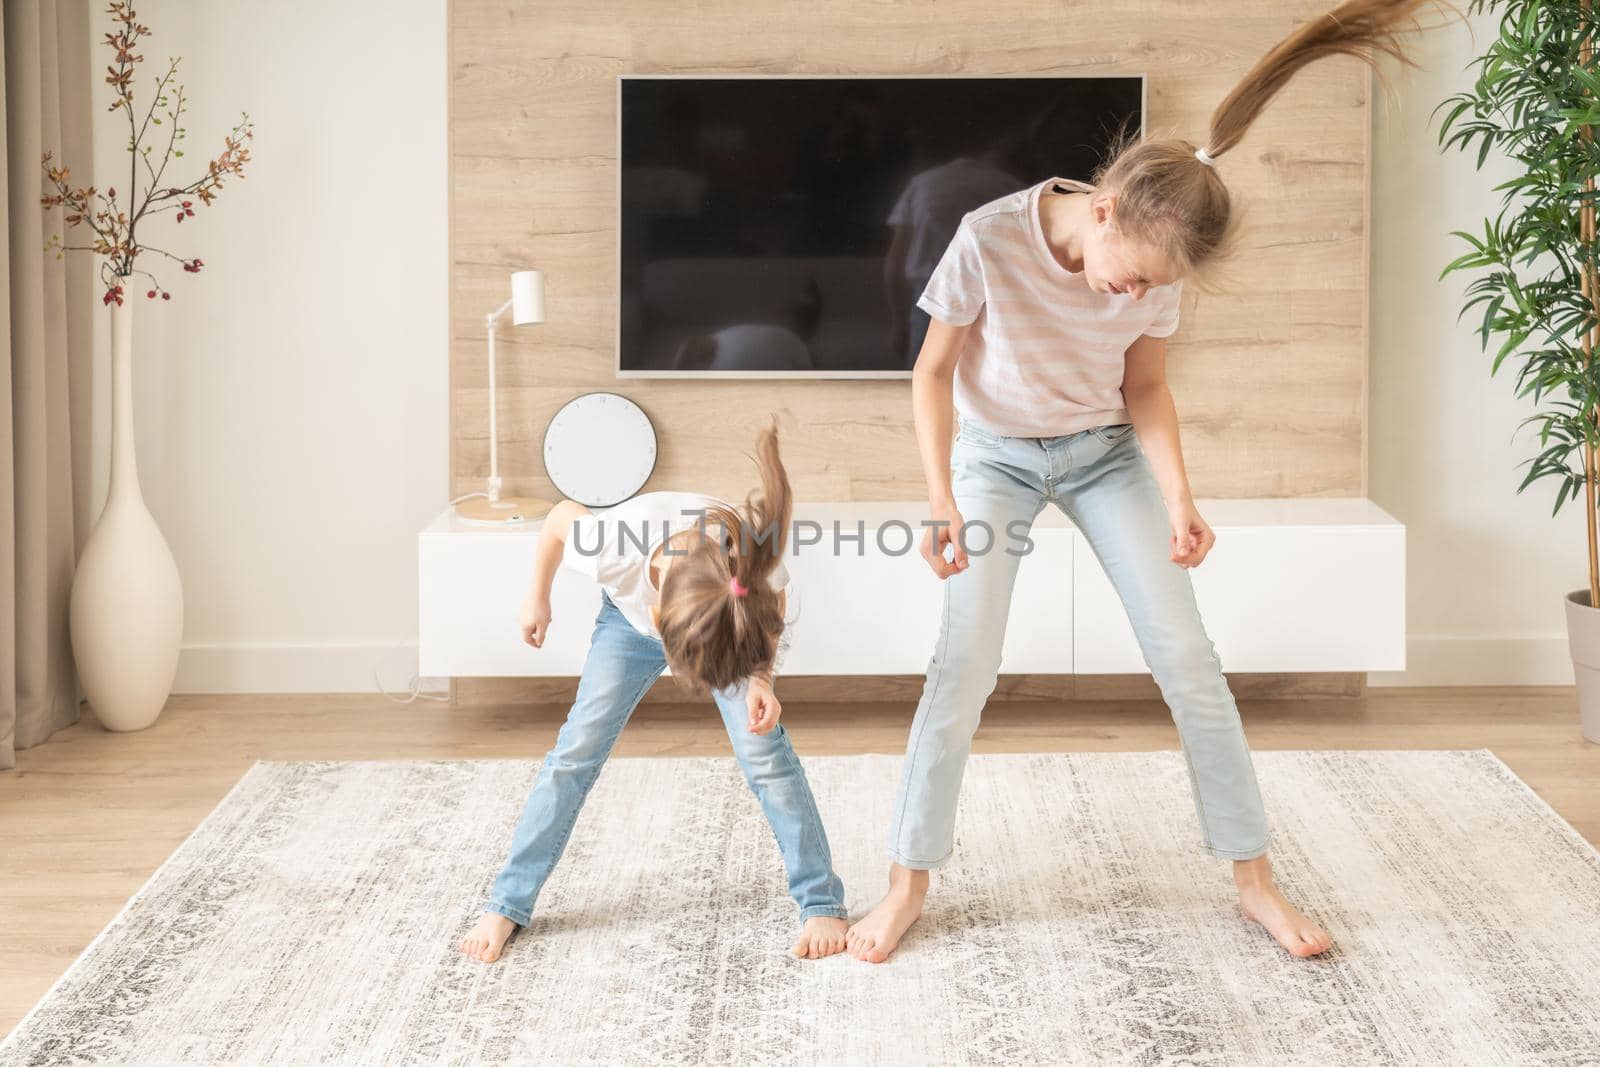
x=758, y=346
x=1046, y=355
x=614, y=547
x=934, y=202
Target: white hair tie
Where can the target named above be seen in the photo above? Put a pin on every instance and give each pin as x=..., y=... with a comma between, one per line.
x=1200, y=154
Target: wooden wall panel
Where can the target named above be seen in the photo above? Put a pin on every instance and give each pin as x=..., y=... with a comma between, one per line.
x=1270, y=379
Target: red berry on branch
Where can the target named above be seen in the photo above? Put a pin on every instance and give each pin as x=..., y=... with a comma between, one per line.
x=151, y=294
x=166, y=296
x=113, y=193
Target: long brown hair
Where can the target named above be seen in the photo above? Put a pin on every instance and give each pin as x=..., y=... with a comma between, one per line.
x=713, y=636
x=1169, y=198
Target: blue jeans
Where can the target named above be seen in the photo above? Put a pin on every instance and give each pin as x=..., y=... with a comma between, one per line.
x=1102, y=480
x=621, y=665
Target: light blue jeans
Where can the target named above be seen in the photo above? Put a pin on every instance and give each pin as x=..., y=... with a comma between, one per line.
x=1102, y=480
x=621, y=665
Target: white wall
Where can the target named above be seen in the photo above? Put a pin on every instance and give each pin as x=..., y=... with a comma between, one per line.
x=1487, y=568
x=292, y=397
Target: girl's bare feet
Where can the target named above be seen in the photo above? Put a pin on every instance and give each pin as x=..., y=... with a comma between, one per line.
x=1263, y=903
x=880, y=930
x=820, y=936
x=487, y=937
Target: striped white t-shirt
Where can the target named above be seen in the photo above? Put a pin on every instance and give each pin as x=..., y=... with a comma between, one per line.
x=1045, y=356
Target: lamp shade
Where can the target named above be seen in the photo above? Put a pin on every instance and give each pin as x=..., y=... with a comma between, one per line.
x=527, y=297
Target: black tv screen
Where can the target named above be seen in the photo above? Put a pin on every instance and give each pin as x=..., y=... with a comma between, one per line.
x=758, y=216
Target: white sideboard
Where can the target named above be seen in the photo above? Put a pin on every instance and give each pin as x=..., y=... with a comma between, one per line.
x=1292, y=585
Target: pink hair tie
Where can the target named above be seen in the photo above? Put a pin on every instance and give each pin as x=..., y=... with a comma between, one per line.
x=738, y=590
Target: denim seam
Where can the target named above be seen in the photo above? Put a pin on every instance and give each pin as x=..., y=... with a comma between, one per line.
x=813, y=817
x=919, y=865
x=827, y=911
x=1194, y=780
x=516, y=915
x=1177, y=721
x=566, y=833
x=972, y=440
x=1241, y=853
x=1199, y=798
x=1099, y=431
x=916, y=740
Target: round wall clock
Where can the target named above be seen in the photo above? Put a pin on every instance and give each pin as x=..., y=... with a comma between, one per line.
x=599, y=449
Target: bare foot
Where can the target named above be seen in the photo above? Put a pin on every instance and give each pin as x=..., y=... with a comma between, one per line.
x=820, y=936
x=487, y=937
x=1263, y=903
x=880, y=930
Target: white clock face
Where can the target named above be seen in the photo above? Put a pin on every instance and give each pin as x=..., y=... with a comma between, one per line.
x=599, y=449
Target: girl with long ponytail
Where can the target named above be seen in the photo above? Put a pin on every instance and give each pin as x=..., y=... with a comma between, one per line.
x=697, y=584
x=1050, y=309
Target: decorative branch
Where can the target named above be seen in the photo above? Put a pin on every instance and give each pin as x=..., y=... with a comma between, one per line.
x=113, y=228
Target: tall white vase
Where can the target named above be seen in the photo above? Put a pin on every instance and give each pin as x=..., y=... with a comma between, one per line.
x=127, y=598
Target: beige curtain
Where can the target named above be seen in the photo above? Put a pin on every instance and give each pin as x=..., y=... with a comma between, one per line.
x=45, y=343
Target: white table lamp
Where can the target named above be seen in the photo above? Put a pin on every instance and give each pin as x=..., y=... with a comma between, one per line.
x=527, y=309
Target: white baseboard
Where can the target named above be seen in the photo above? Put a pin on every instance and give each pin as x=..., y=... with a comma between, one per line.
x=1481, y=661
x=264, y=668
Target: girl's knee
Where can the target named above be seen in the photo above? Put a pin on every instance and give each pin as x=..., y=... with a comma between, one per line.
x=967, y=659
x=766, y=759
x=577, y=749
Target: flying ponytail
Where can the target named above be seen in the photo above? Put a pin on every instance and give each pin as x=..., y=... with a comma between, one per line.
x=1360, y=28
x=1170, y=193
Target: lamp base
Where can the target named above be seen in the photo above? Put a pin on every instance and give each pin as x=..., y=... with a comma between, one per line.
x=503, y=512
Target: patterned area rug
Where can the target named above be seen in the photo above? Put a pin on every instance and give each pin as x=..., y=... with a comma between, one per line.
x=311, y=918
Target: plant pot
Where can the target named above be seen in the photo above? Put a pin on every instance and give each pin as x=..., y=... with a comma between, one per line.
x=126, y=614
x=1583, y=639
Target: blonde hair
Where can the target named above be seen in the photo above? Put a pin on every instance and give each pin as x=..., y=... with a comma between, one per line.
x=1169, y=198
x=715, y=635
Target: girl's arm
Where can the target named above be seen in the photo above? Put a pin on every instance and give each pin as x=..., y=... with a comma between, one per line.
x=932, y=392
x=759, y=699
x=535, y=618
x=1155, y=420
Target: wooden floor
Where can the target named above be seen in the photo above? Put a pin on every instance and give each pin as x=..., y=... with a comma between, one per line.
x=86, y=818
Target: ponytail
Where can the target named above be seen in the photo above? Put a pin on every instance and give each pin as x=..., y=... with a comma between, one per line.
x=1169, y=192
x=721, y=620
x=1360, y=28
x=768, y=513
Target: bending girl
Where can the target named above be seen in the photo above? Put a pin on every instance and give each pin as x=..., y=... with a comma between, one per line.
x=693, y=582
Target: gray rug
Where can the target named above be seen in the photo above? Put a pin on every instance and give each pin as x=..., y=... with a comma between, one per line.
x=311, y=918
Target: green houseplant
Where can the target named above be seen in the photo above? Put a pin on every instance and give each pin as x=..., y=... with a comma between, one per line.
x=1536, y=101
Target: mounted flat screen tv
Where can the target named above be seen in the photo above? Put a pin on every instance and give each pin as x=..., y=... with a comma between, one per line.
x=785, y=226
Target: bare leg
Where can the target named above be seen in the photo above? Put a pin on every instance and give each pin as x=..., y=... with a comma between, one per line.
x=880, y=930
x=1263, y=903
